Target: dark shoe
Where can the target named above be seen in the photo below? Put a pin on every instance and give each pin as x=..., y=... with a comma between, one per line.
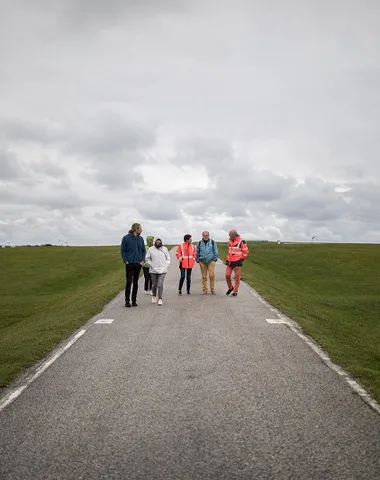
x=134, y=304
x=234, y=294
x=229, y=291
x=179, y=292
x=188, y=293
x=127, y=304
x=213, y=292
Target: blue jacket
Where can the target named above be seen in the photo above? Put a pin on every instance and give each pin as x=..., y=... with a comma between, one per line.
x=132, y=248
x=207, y=251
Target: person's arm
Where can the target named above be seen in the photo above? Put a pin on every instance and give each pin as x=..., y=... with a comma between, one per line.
x=143, y=250
x=198, y=251
x=148, y=259
x=244, y=249
x=123, y=250
x=178, y=253
x=216, y=252
x=167, y=256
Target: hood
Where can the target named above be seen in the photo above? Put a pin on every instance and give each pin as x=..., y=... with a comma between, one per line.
x=149, y=240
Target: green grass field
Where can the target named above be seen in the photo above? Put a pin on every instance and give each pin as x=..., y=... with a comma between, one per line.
x=332, y=291
x=48, y=292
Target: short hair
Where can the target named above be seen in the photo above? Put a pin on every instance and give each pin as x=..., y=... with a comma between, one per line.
x=186, y=237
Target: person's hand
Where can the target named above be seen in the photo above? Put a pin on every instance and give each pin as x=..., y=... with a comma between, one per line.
x=142, y=263
x=126, y=263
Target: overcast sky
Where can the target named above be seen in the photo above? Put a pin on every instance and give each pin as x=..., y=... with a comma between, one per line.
x=187, y=115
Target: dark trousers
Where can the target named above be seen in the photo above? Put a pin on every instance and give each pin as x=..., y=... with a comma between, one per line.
x=132, y=273
x=147, y=279
x=185, y=272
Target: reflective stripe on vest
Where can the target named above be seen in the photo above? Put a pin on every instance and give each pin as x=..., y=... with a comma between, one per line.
x=186, y=256
x=236, y=247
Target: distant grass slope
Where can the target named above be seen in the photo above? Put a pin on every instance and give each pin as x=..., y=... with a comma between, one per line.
x=48, y=292
x=332, y=291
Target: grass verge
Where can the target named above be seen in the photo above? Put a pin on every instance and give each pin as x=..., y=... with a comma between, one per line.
x=48, y=292
x=332, y=291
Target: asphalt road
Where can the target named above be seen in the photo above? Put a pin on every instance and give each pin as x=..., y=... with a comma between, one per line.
x=200, y=388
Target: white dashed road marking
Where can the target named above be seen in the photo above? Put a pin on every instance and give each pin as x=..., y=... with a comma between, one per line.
x=105, y=320
x=275, y=320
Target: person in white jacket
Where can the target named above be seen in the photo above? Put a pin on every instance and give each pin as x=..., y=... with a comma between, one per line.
x=158, y=261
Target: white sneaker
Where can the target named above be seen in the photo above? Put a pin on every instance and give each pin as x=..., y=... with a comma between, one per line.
x=150, y=292
x=154, y=299
x=146, y=292
x=159, y=301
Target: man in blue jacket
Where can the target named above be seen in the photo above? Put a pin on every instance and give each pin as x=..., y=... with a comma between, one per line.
x=207, y=255
x=133, y=255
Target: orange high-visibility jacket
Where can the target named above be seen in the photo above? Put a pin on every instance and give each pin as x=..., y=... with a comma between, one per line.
x=186, y=253
x=237, y=252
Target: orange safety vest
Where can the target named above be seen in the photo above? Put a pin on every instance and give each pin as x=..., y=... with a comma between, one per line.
x=186, y=253
x=237, y=250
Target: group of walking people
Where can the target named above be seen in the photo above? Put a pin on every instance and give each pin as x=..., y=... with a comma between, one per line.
x=154, y=259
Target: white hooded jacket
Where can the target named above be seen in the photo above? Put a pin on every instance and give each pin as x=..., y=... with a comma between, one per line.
x=158, y=259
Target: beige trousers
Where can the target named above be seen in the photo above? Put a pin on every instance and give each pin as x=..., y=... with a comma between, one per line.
x=210, y=269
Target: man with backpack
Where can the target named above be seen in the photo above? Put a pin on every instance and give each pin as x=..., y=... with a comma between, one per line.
x=207, y=255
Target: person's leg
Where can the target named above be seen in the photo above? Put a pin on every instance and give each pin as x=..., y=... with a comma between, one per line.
x=135, y=287
x=160, y=285
x=188, y=279
x=237, y=279
x=182, y=279
x=228, y=279
x=211, y=274
x=128, y=277
x=146, y=278
x=204, y=276
x=154, y=284
x=150, y=283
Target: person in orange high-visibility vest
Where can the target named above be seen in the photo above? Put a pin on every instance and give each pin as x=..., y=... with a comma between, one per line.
x=237, y=253
x=186, y=254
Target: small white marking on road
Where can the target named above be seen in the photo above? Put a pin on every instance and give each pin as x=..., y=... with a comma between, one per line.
x=275, y=320
x=11, y=396
x=104, y=320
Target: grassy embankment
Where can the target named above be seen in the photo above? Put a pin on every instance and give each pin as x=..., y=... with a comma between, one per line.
x=46, y=293
x=332, y=291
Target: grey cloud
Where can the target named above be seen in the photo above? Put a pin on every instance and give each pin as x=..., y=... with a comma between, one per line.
x=156, y=207
x=114, y=148
x=214, y=154
x=17, y=129
x=314, y=200
x=50, y=197
x=248, y=185
x=112, y=174
x=109, y=134
x=90, y=16
x=10, y=168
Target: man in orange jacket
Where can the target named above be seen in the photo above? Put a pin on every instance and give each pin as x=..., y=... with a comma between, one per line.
x=186, y=254
x=237, y=253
